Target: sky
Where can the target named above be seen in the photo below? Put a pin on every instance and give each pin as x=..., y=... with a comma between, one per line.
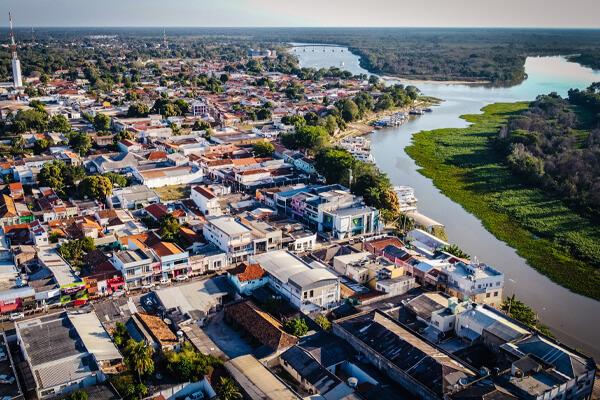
x=304, y=13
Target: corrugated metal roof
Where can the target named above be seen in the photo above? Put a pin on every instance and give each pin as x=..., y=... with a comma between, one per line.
x=95, y=338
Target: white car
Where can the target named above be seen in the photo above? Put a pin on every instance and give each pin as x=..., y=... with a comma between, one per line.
x=16, y=316
x=148, y=286
x=118, y=293
x=164, y=281
x=182, y=278
x=195, y=396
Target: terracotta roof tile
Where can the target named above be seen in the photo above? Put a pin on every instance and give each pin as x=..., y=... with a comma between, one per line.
x=248, y=272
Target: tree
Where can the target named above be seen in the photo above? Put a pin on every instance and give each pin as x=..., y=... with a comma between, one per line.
x=72, y=174
x=51, y=175
x=385, y=102
x=226, y=390
x=168, y=226
x=74, y=250
x=122, y=135
x=31, y=120
x=348, y=109
x=334, y=164
x=201, y=126
x=138, y=357
x=323, y=322
x=116, y=179
x=59, y=123
x=138, y=110
x=189, y=365
x=40, y=146
x=388, y=200
x=263, y=149
x=95, y=187
x=78, y=395
x=101, y=122
x=254, y=65
x=119, y=334
x=80, y=142
x=296, y=327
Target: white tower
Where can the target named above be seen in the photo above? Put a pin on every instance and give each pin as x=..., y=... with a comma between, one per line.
x=16, y=64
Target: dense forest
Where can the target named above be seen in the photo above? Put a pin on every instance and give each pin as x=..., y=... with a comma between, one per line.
x=555, y=145
x=495, y=55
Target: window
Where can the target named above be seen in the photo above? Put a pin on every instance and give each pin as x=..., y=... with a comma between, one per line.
x=497, y=283
x=487, y=295
x=311, y=294
x=479, y=286
x=306, y=295
x=450, y=324
x=496, y=294
x=436, y=323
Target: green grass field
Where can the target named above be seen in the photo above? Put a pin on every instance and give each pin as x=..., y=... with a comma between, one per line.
x=555, y=239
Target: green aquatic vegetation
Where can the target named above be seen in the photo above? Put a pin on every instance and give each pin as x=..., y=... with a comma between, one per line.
x=562, y=243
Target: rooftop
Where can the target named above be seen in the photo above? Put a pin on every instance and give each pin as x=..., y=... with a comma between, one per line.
x=228, y=225
x=434, y=370
x=94, y=337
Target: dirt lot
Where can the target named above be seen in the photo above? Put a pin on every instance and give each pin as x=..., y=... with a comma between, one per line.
x=171, y=193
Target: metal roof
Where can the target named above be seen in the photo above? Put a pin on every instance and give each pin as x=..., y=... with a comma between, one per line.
x=94, y=337
x=257, y=382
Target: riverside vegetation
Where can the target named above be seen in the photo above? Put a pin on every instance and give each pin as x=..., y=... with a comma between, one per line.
x=556, y=231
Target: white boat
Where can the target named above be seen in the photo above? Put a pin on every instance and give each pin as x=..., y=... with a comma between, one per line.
x=406, y=198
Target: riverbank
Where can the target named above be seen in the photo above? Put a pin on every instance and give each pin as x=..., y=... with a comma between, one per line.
x=422, y=81
x=466, y=167
x=365, y=124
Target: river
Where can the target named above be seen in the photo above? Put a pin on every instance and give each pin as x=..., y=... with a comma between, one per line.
x=573, y=318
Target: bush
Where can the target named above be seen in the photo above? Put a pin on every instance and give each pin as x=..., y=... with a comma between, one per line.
x=323, y=322
x=296, y=327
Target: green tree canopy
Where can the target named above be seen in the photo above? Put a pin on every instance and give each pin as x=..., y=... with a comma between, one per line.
x=101, y=122
x=201, y=126
x=334, y=164
x=59, y=123
x=80, y=142
x=41, y=145
x=78, y=395
x=138, y=357
x=138, y=110
x=117, y=179
x=296, y=327
x=31, y=120
x=226, y=390
x=95, y=187
x=263, y=149
x=348, y=109
x=168, y=227
x=189, y=365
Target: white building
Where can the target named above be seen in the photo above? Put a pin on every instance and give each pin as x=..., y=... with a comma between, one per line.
x=132, y=197
x=306, y=287
x=169, y=176
x=231, y=236
x=206, y=200
x=477, y=281
x=198, y=109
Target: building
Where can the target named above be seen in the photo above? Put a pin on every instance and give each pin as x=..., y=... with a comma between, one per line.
x=313, y=377
x=8, y=211
x=230, y=236
x=169, y=176
x=57, y=355
x=132, y=197
x=304, y=286
x=198, y=109
x=135, y=265
x=423, y=370
x=258, y=324
x=11, y=388
x=544, y=369
x=206, y=200
x=477, y=281
x=247, y=277
x=256, y=382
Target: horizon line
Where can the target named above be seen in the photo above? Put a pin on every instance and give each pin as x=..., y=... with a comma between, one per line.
x=303, y=27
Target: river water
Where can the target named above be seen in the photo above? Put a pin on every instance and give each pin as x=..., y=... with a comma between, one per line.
x=574, y=319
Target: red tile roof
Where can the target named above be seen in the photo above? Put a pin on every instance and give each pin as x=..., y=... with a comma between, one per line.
x=156, y=210
x=266, y=329
x=209, y=194
x=248, y=272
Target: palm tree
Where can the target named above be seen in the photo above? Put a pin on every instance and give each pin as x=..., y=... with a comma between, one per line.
x=138, y=357
x=226, y=390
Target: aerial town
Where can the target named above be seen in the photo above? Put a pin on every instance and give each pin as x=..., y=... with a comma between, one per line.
x=232, y=238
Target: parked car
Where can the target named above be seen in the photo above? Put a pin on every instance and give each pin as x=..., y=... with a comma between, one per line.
x=182, y=278
x=17, y=315
x=165, y=281
x=148, y=286
x=79, y=302
x=118, y=293
x=195, y=396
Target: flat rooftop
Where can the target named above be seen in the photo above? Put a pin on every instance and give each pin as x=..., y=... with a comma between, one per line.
x=229, y=225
